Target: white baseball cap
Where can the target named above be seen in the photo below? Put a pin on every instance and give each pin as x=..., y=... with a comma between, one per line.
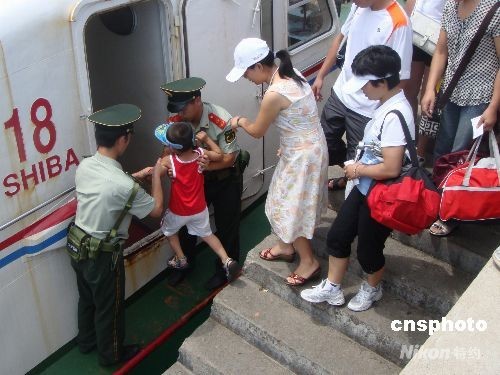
x=356, y=83
x=248, y=52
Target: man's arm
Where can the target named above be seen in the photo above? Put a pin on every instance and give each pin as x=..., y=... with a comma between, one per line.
x=410, y=4
x=156, y=189
x=213, y=151
x=226, y=162
x=330, y=60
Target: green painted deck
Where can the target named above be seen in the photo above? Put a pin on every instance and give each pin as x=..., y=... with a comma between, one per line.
x=157, y=306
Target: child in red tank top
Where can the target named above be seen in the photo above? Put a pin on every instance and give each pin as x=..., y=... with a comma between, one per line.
x=187, y=205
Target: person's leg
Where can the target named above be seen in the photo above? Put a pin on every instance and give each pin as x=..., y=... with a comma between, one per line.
x=337, y=268
x=355, y=128
x=447, y=130
x=86, y=337
x=217, y=247
x=179, y=261
x=280, y=250
x=109, y=293
x=333, y=123
x=463, y=137
x=225, y=196
x=339, y=239
x=412, y=87
x=175, y=244
x=371, y=241
x=340, y=236
x=308, y=264
x=188, y=244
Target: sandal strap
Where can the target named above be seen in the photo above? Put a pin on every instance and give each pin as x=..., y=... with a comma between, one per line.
x=298, y=278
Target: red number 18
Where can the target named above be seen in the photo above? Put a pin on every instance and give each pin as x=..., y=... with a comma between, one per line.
x=45, y=123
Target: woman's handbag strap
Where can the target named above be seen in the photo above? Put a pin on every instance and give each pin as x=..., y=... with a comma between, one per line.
x=410, y=143
x=467, y=56
x=494, y=153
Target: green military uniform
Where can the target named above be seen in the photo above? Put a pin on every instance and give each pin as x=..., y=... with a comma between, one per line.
x=102, y=190
x=223, y=187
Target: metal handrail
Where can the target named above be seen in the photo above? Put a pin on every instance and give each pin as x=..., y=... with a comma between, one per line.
x=27, y=213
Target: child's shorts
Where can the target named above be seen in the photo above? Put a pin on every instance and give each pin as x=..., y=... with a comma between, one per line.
x=197, y=225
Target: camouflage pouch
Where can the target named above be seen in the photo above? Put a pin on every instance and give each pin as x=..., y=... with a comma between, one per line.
x=77, y=242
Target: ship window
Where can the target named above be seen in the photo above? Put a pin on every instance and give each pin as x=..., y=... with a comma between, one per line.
x=120, y=21
x=307, y=19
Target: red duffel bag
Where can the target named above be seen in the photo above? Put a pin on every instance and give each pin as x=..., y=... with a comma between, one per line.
x=446, y=163
x=472, y=192
x=408, y=203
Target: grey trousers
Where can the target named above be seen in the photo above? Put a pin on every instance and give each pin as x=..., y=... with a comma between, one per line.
x=337, y=119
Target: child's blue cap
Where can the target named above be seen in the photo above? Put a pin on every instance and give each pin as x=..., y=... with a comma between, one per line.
x=161, y=134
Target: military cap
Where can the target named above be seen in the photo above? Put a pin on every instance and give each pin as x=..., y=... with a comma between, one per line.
x=182, y=91
x=116, y=116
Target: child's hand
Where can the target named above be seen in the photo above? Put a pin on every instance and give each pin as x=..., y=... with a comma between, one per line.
x=201, y=136
x=203, y=162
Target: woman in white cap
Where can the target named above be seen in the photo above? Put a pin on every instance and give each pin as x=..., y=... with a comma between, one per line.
x=376, y=73
x=298, y=192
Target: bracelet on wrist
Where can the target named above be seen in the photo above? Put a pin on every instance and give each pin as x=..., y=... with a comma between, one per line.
x=356, y=171
x=238, y=122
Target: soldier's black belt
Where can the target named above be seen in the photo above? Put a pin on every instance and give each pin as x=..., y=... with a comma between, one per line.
x=220, y=174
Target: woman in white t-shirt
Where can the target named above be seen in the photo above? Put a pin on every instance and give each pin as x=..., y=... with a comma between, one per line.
x=376, y=74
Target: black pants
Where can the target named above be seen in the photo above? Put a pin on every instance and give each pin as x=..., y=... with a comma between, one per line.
x=337, y=119
x=354, y=220
x=101, y=315
x=225, y=197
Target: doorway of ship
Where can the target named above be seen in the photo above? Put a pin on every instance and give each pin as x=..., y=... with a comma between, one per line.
x=127, y=61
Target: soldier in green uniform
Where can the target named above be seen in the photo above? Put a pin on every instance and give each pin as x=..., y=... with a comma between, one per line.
x=103, y=189
x=223, y=179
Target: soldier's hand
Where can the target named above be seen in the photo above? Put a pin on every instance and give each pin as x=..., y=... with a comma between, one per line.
x=160, y=169
x=234, y=123
x=203, y=162
x=143, y=173
x=201, y=136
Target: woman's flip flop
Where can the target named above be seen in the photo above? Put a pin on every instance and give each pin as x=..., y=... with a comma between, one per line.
x=267, y=255
x=338, y=183
x=299, y=280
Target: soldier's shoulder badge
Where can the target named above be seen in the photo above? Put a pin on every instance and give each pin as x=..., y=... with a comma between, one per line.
x=212, y=117
x=175, y=118
x=229, y=136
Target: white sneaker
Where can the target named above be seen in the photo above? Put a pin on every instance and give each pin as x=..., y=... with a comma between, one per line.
x=364, y=299
x=496, y=257
x=324, y=292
